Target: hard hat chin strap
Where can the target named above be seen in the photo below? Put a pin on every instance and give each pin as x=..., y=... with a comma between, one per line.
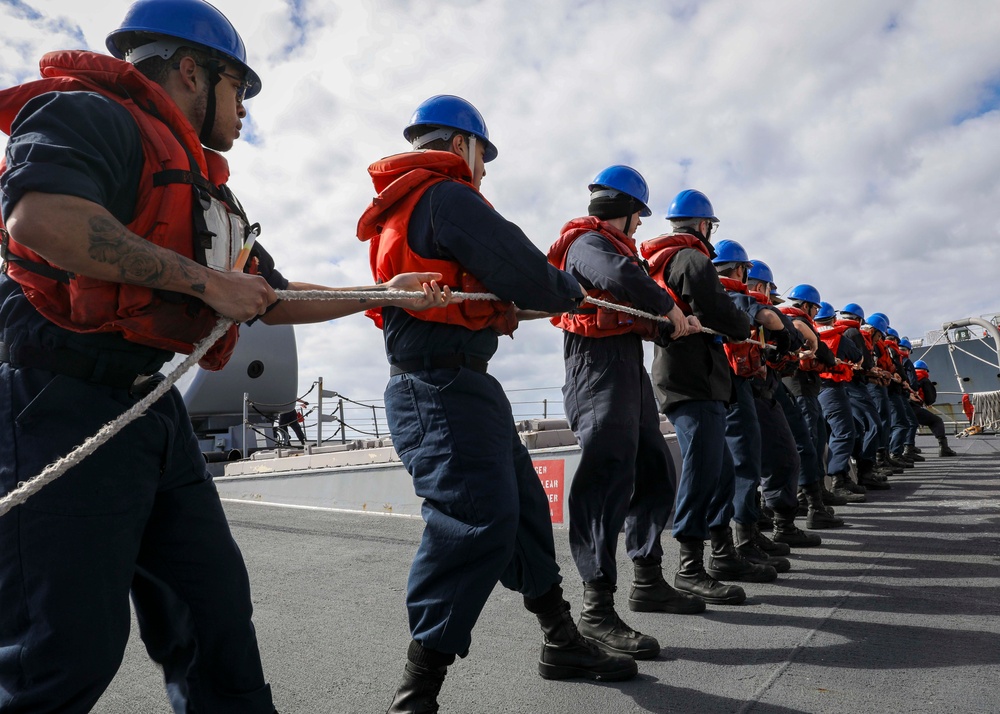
x=471, y=158
x=214, y=75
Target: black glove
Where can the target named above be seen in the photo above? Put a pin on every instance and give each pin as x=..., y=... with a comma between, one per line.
x=795, y=339
x=781, y=341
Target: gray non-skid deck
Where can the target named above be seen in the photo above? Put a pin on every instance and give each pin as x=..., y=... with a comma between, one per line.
x=898, y=612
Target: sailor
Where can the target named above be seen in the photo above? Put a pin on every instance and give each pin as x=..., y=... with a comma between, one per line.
x=910, y=451
x=927, y=392
x=787, y=451
x=901, y=416
x=693, y=385
x=836, y=404
x=111, y=268
x=743, y=429
x=802, y=383
x=626, y=474
x=866, y=416
x=874, y=331
x=486, y=513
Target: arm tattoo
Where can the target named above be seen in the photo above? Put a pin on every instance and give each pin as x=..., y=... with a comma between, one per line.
x=138, y=263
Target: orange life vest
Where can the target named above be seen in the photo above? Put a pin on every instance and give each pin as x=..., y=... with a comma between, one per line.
x=658, y=253
x=400, y=181
x=882, y=356
x=602, y=321
x=809, y=364
x=831, y=335
x=175, y=168
x=746, y=358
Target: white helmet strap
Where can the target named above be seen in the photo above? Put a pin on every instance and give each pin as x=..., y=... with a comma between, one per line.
x=164, y=49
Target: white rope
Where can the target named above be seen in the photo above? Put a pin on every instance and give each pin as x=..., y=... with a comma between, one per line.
x=26, y=489
x=986, y=409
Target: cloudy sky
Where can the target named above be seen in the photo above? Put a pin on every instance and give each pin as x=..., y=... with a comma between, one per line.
x=853, y=145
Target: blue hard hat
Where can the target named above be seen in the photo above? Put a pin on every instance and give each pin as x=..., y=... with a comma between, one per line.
x=905, y=343
x=920, y=364
x=729, y=251
x=878, y=322
x=825, y=311
x=891, y=332
x=624, y=179
x=194, y=22
x=690, y=203
x=450, y=112
x=804, y=293
x=852, y=308
x=759, y=270
x=883, y=316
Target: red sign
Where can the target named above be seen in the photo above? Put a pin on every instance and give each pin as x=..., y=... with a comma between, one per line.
x=550, y=473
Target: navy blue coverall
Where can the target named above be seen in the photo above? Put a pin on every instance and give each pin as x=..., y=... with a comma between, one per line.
x=486, y=513
x=866, y=414
x=836, y=405
x=141, y=511
x=693, y=384
x=743, y=435
x=626, y=475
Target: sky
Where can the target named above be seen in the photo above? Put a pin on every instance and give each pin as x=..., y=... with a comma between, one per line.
x=851, y=145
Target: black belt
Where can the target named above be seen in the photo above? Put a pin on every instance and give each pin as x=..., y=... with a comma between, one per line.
x=439, y=362
x=71, y=363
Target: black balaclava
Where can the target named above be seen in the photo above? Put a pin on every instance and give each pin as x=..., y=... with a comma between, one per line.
x=607, y=207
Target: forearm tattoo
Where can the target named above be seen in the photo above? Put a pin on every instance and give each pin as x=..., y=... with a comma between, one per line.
x=137, y=261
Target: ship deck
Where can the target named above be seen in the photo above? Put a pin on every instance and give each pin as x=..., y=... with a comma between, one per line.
x=897, y=612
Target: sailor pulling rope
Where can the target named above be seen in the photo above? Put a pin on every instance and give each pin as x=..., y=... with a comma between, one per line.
x=50, y=473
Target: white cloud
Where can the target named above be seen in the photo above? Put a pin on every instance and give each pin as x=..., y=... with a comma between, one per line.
x=826, y=134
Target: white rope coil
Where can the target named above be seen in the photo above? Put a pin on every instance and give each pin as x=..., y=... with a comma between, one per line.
x=986, y=409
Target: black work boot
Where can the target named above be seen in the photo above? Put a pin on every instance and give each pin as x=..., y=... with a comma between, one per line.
x=600, y=624
x=830, y=498
x=766, y=544
x=691, y=576
x=867, y=478
x=651, y=593
x=745, y=540
x=945, y=450
x=785, y=530
x=910, y=452
x=900, y=460
x=726, y=563
x=422, y=678
x=766, y=520
x=819, y=516
x=567, y=655
x=842, y=487
x=882, y=459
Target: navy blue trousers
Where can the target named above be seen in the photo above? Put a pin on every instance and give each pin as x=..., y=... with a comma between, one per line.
x=809, y=468
x=141, y=509
x=626, y=475
x=836, y=407
x=486, y=513
x=911, y=421
x=929, y=419
x=867, y=420
x=707, y=483
x=899, y=416
x=743, y=438
x=812, y=418
x=880, y=398
x=779, y=457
